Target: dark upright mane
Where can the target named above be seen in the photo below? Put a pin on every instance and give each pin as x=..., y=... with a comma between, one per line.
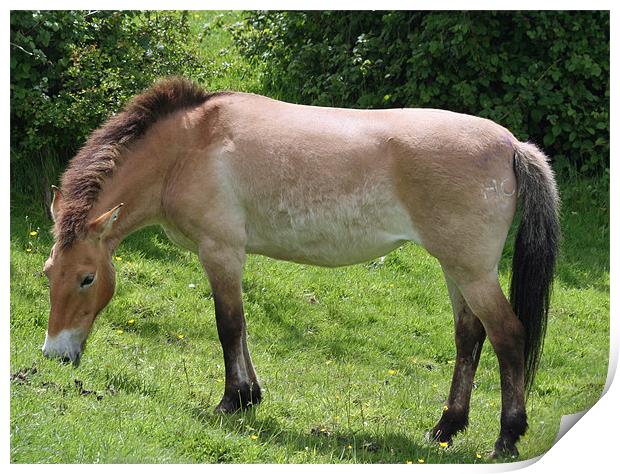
x=97, y=159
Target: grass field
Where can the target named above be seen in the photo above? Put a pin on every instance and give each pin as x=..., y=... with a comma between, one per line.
x=355, y=362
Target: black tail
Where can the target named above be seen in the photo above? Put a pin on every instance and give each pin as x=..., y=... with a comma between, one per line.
x=536, y=249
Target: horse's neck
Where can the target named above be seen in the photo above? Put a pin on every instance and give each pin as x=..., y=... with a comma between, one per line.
x=138, y=184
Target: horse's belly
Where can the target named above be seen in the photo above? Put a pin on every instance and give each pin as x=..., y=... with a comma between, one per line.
x=330, y=236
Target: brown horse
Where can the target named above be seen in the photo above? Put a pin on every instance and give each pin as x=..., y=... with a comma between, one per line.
x=227, y=174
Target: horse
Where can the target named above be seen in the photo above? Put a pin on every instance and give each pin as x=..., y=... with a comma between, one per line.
x=228, y=174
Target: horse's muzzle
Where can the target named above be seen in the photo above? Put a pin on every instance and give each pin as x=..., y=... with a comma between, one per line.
x=67, y=346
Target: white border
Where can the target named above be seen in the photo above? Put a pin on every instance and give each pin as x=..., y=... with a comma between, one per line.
x=591, y=444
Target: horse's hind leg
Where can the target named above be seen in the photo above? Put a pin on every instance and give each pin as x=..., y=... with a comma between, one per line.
x=224, y=267
x=507, y=336
x=469, y=336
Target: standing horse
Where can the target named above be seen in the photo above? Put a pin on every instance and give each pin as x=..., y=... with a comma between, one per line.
x=227, y=174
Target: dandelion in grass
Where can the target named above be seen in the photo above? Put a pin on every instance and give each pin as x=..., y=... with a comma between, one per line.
x=253, y=437
x=445, y=408
x=421, y=461
x=391, y=372
x=119, y=331
x=28, y=249
x=443, y=444
x=409, y=462
x=180, y=336
x=349, y=447
x=478, y=456
x=131, y=322
x=34, y=233
x=117, y=258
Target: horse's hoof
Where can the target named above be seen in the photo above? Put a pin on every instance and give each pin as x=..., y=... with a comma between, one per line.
x=243, y=398
x=451, y=423
x=225, y=408
x=438, y=436
x=504, y=450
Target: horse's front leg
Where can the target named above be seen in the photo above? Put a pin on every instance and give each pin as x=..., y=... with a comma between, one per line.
x=224, y=267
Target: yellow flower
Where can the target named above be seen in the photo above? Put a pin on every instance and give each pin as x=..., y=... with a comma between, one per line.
x=253, y=437
x=119, y=331
x=409, y=462
x=28, y=249
x=421, y=461
x=131, y=321
x=443, y=444
x=117, y=258
x=392, y=372
x=445, y=408
x=478, y=456
x=349, y=447
x=180, y=336
x=34, y=233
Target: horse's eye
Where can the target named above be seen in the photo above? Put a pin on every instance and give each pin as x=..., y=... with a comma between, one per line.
x=87, y=281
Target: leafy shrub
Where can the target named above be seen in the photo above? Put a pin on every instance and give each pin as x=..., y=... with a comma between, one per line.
x=70, y=70
x=543, y=75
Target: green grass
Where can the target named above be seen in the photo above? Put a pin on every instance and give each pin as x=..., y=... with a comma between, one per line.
x=355, y=362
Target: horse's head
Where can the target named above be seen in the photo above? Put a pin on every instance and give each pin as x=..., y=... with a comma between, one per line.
x=82, y=281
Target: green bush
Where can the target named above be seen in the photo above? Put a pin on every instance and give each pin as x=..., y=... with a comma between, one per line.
x=70, y=70
x=543, y=75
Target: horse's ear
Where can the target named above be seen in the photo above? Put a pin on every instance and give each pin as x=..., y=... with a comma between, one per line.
x=56, y=203
x=103, y=224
